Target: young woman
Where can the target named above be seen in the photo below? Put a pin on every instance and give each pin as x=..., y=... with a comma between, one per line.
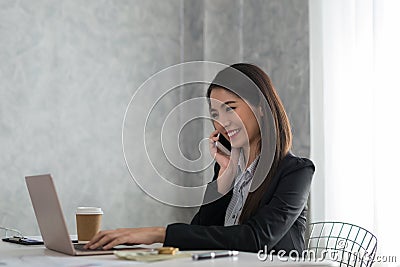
x=259, y=192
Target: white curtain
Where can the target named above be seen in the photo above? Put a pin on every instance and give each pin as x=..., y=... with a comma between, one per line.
x=355, y=103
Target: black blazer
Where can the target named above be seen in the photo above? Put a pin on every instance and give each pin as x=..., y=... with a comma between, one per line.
x=279, y=223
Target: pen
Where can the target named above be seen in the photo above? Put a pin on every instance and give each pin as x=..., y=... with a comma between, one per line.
x=216, y=254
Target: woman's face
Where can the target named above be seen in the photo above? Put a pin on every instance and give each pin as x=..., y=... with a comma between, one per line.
x=234, y=118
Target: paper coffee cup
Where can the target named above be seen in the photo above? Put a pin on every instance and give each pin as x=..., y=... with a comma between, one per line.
x=88, y=222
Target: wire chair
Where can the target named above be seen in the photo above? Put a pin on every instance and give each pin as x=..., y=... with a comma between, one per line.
x=346, y=243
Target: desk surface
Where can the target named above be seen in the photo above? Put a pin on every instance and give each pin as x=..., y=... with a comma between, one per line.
x=18, y=255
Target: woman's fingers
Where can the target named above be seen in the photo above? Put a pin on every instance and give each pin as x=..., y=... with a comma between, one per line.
x=212, y=139
x=102, y=242
x=214, y=134
x=118, y=240
x=105, y=239
x=96, y=238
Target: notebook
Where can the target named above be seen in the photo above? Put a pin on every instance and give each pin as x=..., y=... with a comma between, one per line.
x=50, y=218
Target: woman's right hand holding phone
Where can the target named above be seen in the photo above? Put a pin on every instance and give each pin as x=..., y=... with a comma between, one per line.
x=228, y=164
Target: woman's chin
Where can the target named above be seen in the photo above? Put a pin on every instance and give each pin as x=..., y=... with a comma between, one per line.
x=235, y=144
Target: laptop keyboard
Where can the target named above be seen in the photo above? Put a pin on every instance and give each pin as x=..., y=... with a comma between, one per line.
x=80, y=247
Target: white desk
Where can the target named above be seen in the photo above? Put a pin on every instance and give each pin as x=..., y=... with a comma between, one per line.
x=18, y=255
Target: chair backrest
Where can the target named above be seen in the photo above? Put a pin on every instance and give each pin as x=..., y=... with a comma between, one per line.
x=346, y=243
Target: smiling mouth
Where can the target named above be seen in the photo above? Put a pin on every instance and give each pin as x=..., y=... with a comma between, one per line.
x=233, y=133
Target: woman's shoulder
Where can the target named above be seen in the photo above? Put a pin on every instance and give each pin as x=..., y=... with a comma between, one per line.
x=291, y=163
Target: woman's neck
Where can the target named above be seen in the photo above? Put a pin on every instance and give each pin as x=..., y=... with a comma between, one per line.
x=250, y=154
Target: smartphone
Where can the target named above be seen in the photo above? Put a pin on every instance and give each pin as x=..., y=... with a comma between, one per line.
x=221, y=147
x=23, y=241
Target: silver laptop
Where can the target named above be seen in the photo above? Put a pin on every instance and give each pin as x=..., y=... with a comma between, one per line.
x=50, y=217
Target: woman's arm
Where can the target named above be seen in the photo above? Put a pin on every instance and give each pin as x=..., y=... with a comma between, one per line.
x=267, y=227
x=131, y=236
x=149, y=235
x=213, y=213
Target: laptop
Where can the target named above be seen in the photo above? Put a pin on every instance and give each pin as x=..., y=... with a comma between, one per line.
x=51, y=220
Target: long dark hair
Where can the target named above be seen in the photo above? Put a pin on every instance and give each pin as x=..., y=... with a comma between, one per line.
x=255, y=95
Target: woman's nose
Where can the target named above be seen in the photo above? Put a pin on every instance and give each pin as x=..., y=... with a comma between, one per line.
x=223, y=122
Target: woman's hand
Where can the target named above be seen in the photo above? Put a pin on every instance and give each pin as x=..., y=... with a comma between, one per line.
x=129, y=236
x=228, y=164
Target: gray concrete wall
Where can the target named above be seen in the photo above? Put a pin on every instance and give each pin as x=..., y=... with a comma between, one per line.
x=69, y=68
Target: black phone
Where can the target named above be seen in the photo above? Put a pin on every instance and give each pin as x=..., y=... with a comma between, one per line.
x=223, y=145
x=23, y=240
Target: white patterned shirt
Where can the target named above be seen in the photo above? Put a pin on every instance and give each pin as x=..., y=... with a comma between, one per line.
x=240, y=191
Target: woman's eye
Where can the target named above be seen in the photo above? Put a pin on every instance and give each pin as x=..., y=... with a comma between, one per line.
x=230, y=108
x=214, y=115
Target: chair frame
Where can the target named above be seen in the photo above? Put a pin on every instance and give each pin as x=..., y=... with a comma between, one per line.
x=364, y=255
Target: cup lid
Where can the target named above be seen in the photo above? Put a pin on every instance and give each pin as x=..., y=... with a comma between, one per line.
x=88, y=210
